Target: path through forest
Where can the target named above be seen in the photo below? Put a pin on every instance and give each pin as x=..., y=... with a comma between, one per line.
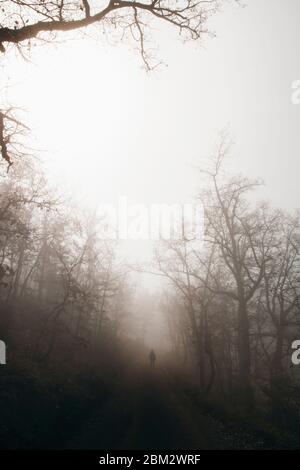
x=147, y=411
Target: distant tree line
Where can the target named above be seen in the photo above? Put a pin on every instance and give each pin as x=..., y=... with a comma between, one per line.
x=63, y=292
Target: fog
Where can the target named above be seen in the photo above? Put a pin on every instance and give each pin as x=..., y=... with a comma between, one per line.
x=196, y=325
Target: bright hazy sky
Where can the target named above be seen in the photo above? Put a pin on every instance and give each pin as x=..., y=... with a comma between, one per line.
x=112, y=129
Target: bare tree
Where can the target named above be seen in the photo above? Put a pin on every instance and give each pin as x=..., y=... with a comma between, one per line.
x=279, y=302
x=27, y=20
x=237, y=232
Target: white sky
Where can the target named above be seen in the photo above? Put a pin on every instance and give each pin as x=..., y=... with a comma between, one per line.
x=111, y=129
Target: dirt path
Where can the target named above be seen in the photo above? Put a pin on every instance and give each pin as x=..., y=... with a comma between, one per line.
x=146, y=412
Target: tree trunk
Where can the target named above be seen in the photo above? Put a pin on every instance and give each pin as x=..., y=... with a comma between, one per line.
x=244, y=353
x=277, y=392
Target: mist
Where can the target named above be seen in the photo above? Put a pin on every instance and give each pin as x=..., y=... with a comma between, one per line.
x=149, y=226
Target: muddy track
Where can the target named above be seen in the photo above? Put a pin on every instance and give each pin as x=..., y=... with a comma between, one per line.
x=147, y=412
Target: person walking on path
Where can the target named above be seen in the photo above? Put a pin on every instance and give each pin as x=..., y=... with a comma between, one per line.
x=152, y=358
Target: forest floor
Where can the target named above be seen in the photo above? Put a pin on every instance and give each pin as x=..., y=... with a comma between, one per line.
x=149, y=411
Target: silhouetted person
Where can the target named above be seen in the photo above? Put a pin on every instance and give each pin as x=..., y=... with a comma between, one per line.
x=152, y=358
